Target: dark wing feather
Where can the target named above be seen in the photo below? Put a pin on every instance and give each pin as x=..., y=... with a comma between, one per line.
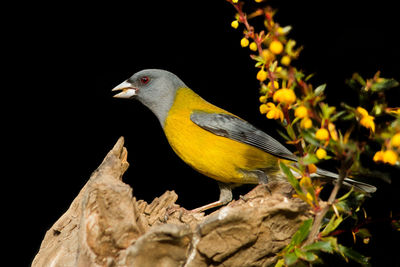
x=358, y=186
x=234, y=128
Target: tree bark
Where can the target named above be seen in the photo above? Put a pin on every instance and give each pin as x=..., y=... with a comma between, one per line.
x=107, y=226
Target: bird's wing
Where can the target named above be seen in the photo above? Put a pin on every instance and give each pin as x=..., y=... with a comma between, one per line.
x=234, y=128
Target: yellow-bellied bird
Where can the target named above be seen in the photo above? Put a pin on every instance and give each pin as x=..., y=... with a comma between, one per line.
x=213, y=141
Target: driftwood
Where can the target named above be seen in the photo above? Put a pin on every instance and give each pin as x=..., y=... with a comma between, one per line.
x=107, y=226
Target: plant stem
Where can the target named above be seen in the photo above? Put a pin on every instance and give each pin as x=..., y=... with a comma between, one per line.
x=314, y=232
x=257, y=38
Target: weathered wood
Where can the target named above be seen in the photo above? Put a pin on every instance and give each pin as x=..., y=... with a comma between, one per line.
x=106, y=226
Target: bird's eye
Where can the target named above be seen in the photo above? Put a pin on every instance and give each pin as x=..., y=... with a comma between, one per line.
x=144, y=79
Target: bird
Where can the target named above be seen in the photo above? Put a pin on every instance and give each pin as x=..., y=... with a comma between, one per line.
x=211, y=140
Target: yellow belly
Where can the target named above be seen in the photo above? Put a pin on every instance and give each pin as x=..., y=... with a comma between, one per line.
x=215, y=156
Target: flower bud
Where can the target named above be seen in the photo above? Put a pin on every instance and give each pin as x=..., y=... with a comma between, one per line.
x=276, y=47
x=322, y=134
x=244, y=42
x=262, y=75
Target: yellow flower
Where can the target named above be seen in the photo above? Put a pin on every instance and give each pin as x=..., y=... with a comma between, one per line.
x=322, y=134
x=362, y=111
x=276, y=47
x=264, y=108
x=368, y=122
x=272, y=114
x=378, y=156
x=276, y=85
x=263, y=98
x=301, y=112
x=262, y=75
x=272, y=111
x=395, y=141
x=267, y=55
x=235, y=24
x=253, y=46
x=306, y=123
x=285, y=60
x=284, y=95
x=278, y=114
x=321, y=153
x=244, y=42
x=275, y=114
x=235, y=1
x=390, y=156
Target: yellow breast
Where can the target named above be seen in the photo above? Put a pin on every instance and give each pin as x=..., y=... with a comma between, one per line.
x=215, y=156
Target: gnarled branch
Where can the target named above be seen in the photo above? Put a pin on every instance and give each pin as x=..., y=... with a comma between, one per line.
x=107, y=226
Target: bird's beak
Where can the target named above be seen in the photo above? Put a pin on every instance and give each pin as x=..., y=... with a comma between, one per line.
x=128, y=91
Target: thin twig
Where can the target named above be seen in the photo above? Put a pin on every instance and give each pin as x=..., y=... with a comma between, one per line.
x=314, y=232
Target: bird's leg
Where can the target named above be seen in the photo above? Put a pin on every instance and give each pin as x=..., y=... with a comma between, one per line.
x=263, y=179
x=225, y=196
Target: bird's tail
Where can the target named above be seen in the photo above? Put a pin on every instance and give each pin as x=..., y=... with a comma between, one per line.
x=358, y=186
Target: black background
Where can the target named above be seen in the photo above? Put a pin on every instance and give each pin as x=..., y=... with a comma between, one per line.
x=60, y=118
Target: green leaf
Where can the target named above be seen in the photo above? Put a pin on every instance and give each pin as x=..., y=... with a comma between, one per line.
x=343, y=207
x=324, y=246
x=320, y=89
x=305, y=255
x=354, y=255
x=356, y=78
x=378, y=109
x=295, y=120
x=272, y=67
x=332, y=225
x=284, y=135
x=299, y=75
x=292, y=180
x=302, y=232
x=290, y=258
x=332, y=240
x=349, y=116
x=259, y=63
x=337, y=115
x=309, y=256
x=346, y=195
x=290, y=132
x=327, y=110
x=384, y=84
x=309, y=159
x=286, y=29
x=280, y=263
x=257, y=58
x=309, y=77
x=308, y=136
x=289, y=49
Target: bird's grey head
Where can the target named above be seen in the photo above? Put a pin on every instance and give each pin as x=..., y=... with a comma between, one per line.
x=154, y=88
